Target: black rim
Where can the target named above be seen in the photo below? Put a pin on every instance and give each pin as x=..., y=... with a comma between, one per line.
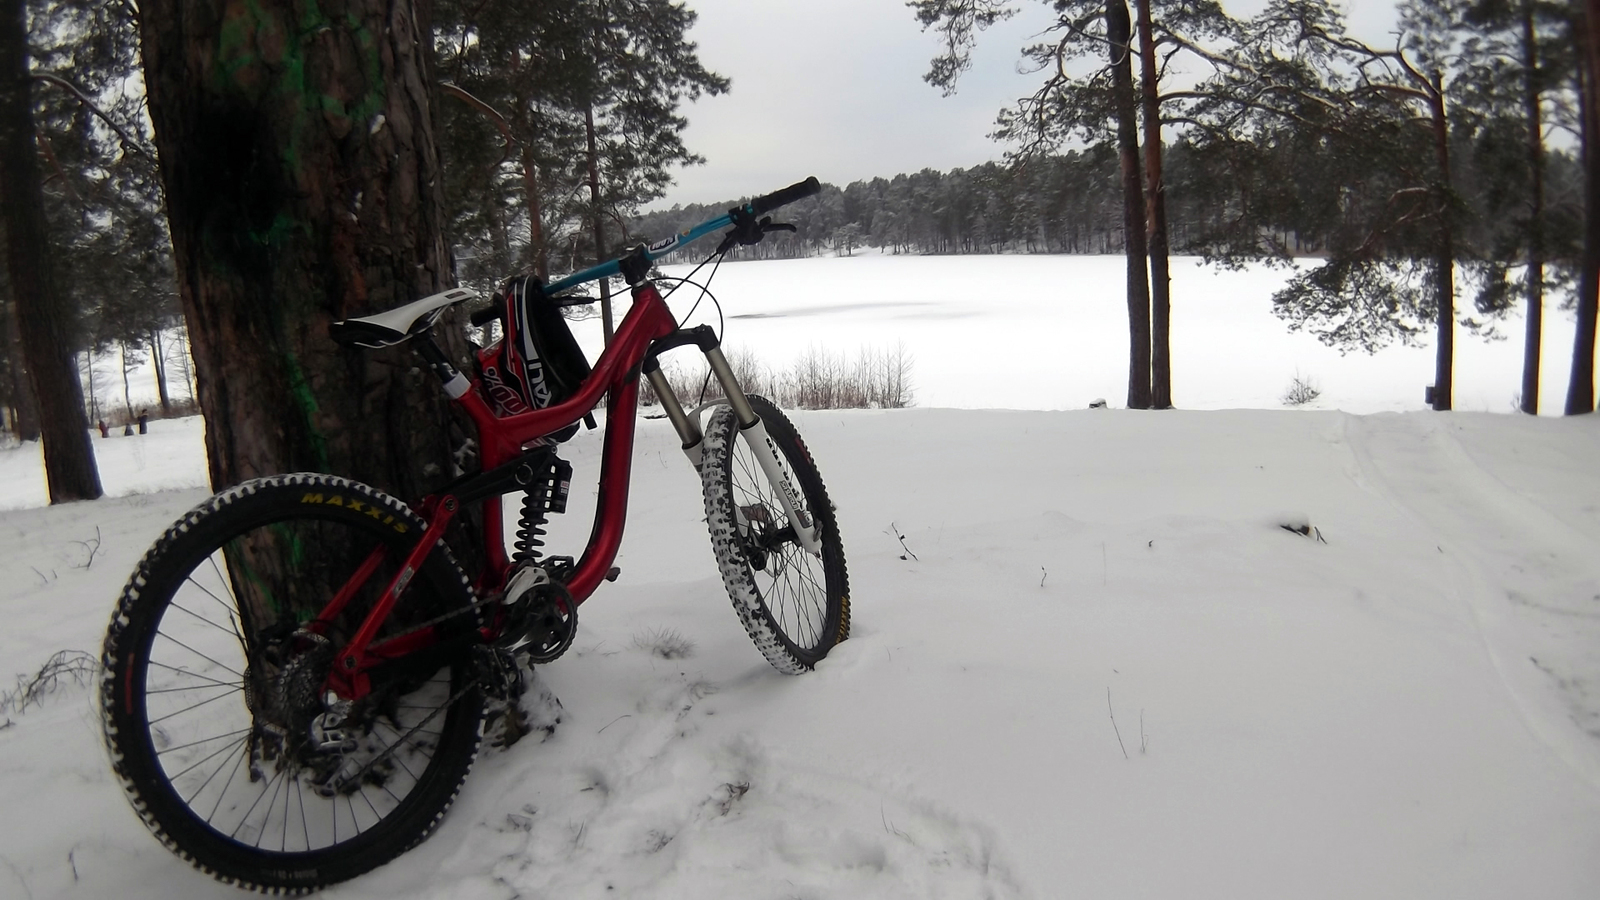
x=791, y=582
x=229, y=708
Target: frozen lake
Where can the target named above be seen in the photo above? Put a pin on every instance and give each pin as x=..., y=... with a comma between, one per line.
x=1050, y=332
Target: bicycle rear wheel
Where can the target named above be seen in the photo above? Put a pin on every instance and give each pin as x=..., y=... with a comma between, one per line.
x=212, y=697
x=795, y=606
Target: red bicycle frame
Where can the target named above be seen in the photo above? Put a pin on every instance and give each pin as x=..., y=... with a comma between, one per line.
x=501, y=440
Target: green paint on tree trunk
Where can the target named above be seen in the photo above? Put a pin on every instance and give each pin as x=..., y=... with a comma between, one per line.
x=277, y=83
x=306, y=402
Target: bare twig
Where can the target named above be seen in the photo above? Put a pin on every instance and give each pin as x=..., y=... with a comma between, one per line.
x=1114, y=723
x=902, y=538
x=127, y=139
x=65, y=665
x=1043, y=577
x=92, y=547
x=889, y=827
x=615, y=721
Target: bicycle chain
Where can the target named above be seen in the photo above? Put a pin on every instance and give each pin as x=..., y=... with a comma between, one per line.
x=429, y=623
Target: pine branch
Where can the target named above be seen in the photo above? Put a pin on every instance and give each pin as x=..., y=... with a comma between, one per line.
x=127, y=139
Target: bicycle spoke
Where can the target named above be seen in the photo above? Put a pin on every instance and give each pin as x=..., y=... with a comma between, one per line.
x=203, y=762
x=222, y=580
x=305, y=827
x=228, y=631
x=215, y=737
x=198, y=687
x=199, y=654
x=283, y=774
x=160, y=665
x=283, y=836
x=188, y=708
x=397, y=758
x=229, y=783
x=246, y=817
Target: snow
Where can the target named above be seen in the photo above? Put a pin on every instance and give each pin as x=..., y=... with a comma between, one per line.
x=171, y=456
x=1051, y=332
x=1086, y=659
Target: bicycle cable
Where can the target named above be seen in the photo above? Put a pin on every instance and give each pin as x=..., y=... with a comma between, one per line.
x=705, y=291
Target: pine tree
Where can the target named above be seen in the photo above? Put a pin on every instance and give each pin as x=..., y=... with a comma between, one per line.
x=1509, y=61
x=1580, y=387
x=1372, y=126
x=42, y=315
x=590, y=93
x=294, y=202
x=1100, y=107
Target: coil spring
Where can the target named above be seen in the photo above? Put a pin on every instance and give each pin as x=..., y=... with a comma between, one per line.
x=547, y=493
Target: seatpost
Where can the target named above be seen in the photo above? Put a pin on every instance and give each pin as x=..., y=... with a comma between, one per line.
x=455, y=384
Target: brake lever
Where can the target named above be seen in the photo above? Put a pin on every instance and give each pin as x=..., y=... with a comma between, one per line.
x=748, y=230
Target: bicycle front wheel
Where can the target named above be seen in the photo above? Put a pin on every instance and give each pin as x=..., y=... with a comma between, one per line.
x=213, y=698
x=794, y=605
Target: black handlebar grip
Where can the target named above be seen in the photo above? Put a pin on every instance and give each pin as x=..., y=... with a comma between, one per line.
x=797, y=191
x=486, y=315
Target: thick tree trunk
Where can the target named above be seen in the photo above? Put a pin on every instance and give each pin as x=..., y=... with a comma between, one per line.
x=1156, y=213
x=1534, y=278
x=1444, y=260
x=599, y=222
x=25, y=415
x=42, y=315
x=1580, y=389
x=1118, y=33
x=303, y=186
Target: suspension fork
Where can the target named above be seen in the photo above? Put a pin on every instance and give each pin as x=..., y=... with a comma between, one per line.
x=751, y=428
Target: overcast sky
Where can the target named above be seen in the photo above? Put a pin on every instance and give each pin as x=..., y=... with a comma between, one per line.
x=833, y=88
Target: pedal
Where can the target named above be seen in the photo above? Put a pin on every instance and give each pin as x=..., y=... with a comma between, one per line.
x=560, y=568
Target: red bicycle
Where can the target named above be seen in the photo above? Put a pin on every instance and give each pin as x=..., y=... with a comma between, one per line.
x=297, y=673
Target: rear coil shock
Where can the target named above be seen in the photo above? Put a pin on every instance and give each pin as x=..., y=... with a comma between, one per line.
x=546, y=494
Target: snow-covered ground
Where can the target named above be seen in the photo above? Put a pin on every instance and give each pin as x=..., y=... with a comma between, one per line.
x=1094, y=666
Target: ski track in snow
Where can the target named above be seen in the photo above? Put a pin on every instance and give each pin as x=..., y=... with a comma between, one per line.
x=1533, y=580
x=1355, y=718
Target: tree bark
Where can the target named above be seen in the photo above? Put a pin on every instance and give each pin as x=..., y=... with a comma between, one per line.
x=88, y=369
x=598, y=221
x=159, y=361
x=1580, y=389
x=303, y=186
x=42, y=314
x=1445, y=256
x=127, y=390
x=1534, y=278
x=1119, y=35
x=25, y=415
x=536, y=241
x=1156, y=213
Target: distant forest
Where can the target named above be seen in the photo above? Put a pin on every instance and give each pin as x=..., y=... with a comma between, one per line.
x=1065, y=203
